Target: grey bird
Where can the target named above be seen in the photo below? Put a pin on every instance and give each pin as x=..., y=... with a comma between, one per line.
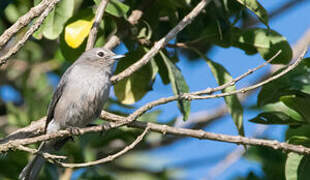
x=77, y=100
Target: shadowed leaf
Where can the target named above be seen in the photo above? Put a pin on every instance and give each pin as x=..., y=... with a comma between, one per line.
x=178, y=84
x=257, y=9
x=234, y=106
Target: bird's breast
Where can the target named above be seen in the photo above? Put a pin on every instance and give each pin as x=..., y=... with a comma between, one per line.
x=83, y=99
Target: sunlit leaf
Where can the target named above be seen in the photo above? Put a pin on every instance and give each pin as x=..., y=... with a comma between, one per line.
x=11, y=12
x=55, y=21
x=274, y=118
x=76, y=32
x=296, y=167
x=281, y=107
x=68, y=52
x=267, y=42
x=133, y=88
x=291, y=166
x=179, y=85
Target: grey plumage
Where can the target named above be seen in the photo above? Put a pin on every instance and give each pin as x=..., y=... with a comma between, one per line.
x=77, y=100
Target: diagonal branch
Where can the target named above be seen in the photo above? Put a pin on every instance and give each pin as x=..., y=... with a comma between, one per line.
x=193, y=96
x=24, y=20
x=161, y=43
x=233, y=82
x=93, y=32
x=32, y=29
x=44, y=154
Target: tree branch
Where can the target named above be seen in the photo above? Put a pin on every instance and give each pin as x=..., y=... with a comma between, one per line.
x=93, y=32
x=193, y=96
x=233, y=82
x=32, y=29
x=108, y=158
x=44, y=154
x=161, y=43
x=8, y=144
x=164, y=129
x=25, y=20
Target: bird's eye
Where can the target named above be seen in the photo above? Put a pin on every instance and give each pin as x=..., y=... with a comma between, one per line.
x=100, y=54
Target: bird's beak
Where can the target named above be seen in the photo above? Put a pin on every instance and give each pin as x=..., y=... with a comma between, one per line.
x=117, y=56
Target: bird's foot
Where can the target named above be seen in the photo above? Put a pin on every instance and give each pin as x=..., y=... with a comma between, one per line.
x=75, y=131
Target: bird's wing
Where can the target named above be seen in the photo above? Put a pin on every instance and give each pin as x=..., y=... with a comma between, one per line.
x=56, y=96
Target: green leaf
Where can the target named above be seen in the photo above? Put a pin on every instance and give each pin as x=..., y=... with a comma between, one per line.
x=257, y=9
x=291, y=166
x=299, y=140
x=271, y=161
x=281, y=107
x=55, y=21
x=296, y=167
x=240, y=41
x=150, y=116
x=115, y=8
x=178, y=84
x=268, y=43
x=145, y=31
x=162, y=70
x=303, y=130
x=234, y=106
x=133, y=88
x=300, y=104
x=11, y=12
x=274, y=118
x=294, y=82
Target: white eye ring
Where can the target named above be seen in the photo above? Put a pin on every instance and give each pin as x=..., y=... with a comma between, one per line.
x=100, y=54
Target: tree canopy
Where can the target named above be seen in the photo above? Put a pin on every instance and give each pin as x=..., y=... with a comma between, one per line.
x=40, y=39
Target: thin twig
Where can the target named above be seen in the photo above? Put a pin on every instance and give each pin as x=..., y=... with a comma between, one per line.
x=192, y=96
x=108, y=158
x=44, y=154
x=24, y=21
x=200, y=119
x=233, y=82
x=161, y=43
x=32, y=29
x=93, y=32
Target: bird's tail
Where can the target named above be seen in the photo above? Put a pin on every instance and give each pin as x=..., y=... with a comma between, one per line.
x=32, y=169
